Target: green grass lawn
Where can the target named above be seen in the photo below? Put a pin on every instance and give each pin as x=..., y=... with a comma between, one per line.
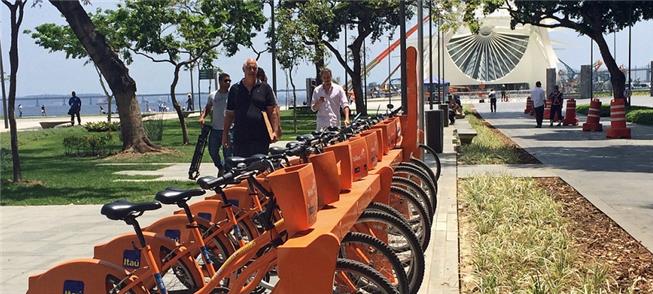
x=54, y=178
x=487, y=147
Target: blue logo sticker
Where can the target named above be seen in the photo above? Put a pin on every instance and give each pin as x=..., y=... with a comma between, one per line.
x=73, y=287
x=204, y=215
x=131, y=259
x=173, y=234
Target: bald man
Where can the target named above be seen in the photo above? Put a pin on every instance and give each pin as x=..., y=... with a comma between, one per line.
x=245, y=104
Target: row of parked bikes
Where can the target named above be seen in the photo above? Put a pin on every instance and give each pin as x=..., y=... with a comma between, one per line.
x=227, y=242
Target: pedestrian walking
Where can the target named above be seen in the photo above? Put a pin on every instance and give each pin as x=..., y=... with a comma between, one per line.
x=537, y=95
x=504, y=98
x=493, y=100
x=189, y=103
x=248, y=104
x=216, y=106
x=20, y=110
x=75, y=107
x=556, y=106
x=328, y=99
x=43, y=110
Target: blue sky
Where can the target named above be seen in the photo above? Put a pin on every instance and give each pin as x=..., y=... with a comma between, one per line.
x=42, y=72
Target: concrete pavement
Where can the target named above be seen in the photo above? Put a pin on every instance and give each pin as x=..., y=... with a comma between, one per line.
x=616, y=175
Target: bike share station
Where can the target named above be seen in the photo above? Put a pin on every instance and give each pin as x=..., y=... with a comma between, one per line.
x=339, y=211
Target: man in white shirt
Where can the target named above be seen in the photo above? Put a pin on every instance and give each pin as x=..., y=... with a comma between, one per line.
x=217, y=102
x=328, y=100
x=538, y=96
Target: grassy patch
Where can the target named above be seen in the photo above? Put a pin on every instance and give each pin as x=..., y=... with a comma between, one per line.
x=489, y=146
x=515, y=239
x=52, y=178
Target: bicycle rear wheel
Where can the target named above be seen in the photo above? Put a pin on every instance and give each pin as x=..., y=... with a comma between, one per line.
x=400, y=238
x=372, y=251
x=354, y=277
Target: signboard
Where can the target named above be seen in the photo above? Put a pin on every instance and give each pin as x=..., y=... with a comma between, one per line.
x=207, y=74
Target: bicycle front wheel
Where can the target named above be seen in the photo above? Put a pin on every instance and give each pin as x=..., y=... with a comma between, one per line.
x=354, y=277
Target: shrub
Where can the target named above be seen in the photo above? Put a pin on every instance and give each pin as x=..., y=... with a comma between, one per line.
x=584, y=108
x=101, y=126
x=154, y=129
x=640, y=116
x=87, y=145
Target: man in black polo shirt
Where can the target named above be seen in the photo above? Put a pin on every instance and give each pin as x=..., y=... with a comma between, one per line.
x=245, y=104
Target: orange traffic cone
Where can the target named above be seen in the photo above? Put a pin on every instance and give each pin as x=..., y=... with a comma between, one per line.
x=547, y=108
x=593, y=117
x=570, y=114
x=618, y=127
x=529, y=106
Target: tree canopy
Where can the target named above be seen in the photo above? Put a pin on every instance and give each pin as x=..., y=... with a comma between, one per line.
x=587, y=17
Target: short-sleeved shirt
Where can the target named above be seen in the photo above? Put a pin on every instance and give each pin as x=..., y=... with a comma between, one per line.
x=328, y=114
x=247, y=106
x=556, y=98
x=75, y=104
x=537, y=94
x=218, y=101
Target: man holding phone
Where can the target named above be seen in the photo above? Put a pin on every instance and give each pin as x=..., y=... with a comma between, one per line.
x=328, y=100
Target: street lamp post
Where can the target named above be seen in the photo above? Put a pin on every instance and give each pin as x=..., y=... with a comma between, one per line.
x=431, y=54
x=4, y=94
x=274, y=49
x=389, y=71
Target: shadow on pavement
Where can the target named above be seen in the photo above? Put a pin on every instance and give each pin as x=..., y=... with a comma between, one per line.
x=617, y=158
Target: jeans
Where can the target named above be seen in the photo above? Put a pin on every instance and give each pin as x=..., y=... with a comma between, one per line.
x=493, y=105
x=247, y=149
x=539, y=115
x=215, y=141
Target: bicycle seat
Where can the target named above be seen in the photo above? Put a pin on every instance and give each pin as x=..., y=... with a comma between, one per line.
x=209, y=182
x=276, y=150
x=176, y=195
x=121, y=209
x=292, y=145
x=307, y=137
x=255, y=158
x=234, y=161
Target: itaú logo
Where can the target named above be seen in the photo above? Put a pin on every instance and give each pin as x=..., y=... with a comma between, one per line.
x=312, y=198
x=360, y=157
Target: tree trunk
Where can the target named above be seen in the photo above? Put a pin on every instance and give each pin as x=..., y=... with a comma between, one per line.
x=356, y=78
x=16, y=11
x=114, y=71
x=106, y=93
x=175, y=104
x=617, y=77
x=319, y=63
x=294, y=100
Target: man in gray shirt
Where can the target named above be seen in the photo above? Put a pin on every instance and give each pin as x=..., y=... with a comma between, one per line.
x=538, y=96
x=217, y=102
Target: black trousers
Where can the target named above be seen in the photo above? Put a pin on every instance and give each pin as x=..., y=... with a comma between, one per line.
x=539, y=115
x=247, y=149
x=556, y=109
x=72, y=118
x=493, y=105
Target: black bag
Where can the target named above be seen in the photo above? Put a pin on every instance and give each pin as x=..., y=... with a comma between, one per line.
x=194, y=170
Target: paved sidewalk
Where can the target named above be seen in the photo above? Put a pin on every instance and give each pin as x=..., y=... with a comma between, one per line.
x=441, y=274
x=616, y=175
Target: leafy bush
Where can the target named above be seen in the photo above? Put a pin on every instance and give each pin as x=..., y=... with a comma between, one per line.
x=154, y=129
x=101, y=126
x=640, y=116
x=87, y=145
x=584, y=108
